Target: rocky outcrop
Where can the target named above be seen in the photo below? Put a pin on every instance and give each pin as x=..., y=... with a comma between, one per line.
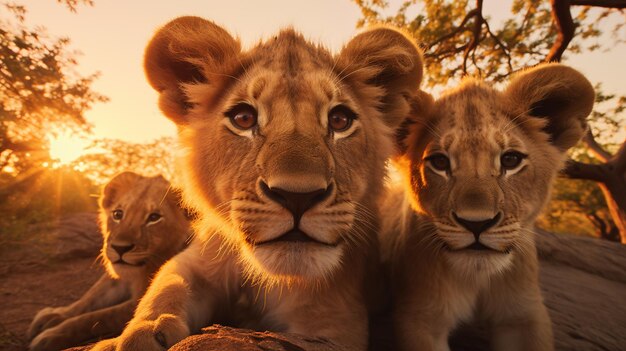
x=220, y=338
x=72, y=237
x=584, y=285
x=75, y=236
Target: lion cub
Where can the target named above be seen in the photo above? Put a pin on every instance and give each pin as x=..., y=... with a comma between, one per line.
x=286, y=150
x=478, y=168
x=143, y=226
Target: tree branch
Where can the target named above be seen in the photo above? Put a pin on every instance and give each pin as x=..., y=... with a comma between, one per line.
x=616, y=4
x=598, y=223
x=456, y=31
x=499, y=43
x=619, y=160
x=7, y=144
x=578, y=170
x=565, y=29
x=446, y=53
x=595, y=148
x=476, y=29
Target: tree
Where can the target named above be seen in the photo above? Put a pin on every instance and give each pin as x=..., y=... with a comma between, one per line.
x=39, y=90
x=578, y=207
x=458, y=40
x=112, y=156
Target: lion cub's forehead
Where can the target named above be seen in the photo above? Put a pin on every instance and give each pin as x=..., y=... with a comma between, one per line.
x=289, y=53
x=473, y=117
x=148, y=194
x=289, y=65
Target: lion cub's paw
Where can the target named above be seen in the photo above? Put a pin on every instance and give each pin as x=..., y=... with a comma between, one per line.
x=44, y=319
x=50, y=339
x=157, y=335
x=105, y=345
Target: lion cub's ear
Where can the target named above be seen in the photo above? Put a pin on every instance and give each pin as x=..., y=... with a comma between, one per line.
x=117, y=184
x=390, y=63
x=557, y=93
x=185, y=51
x=414, y=132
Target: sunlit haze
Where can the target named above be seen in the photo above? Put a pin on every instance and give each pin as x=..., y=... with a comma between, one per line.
x=112, y=36
x=66, y=147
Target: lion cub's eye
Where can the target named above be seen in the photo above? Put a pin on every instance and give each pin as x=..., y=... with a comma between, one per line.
x=117, y=215
x=243, y=116
x=340, y=118
x=153, y=217
x=511, y=159
x=439, y=162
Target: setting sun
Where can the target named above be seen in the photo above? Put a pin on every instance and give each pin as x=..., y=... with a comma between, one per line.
x=66, y=147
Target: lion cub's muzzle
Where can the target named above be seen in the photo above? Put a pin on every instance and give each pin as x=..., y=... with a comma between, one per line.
x=481, y=229
x=124, y=254
x=297, y=203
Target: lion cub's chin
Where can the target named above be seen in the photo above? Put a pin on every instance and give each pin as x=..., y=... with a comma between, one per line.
x=477, y=264
x=128, y=271
x=299, y=260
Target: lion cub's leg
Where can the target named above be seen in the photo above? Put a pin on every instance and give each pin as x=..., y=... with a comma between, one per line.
x=426, y=314
x=85, y=327
x=532, y=332
x=104, y=293
x=532, y=335
x=522, y=323
x=422, y=333
x=337, y=316
x=181, y=299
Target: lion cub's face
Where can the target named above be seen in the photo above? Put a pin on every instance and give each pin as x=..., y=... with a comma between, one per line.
x=143, y=226
x=483, y=167
x=291, y=147
x=286, y=142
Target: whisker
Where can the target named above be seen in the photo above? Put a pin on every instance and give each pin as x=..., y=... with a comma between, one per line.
x=511, y=124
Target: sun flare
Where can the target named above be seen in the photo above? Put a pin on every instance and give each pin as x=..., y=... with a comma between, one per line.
x=66, y=147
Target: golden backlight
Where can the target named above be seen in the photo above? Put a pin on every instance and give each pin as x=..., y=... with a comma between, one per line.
x=66, y=147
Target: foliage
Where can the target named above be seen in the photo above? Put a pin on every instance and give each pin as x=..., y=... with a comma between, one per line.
x=111, y=156
x=452, y=32
x=41, y=195
x=40, y=92
x=72, y=5
x=458, y=40
x=578, y=207
x=607, y=118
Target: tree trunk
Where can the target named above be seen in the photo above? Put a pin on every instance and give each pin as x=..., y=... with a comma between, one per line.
x=611, y=177
x=617, y=213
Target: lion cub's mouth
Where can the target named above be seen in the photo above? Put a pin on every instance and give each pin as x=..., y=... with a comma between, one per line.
x=293, y=236
x=478, y=247
x=125, y=263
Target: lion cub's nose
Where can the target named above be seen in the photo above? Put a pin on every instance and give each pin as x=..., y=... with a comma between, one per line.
x=477, y=227
x=122, y=249
x=296, y=203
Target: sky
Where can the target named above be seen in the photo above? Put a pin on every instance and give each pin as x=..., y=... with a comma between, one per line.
x=112, y=35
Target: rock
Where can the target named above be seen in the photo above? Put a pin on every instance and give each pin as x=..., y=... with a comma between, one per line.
x=584, y=286
x=75, y=236
x=220, y=338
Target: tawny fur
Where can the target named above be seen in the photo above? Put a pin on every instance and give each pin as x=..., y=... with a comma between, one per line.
x=438, y=282
x=108, y=305
x=318, y=288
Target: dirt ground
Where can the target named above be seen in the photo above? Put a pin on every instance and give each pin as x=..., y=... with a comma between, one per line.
x=27, y=288
x=35, y=274
x=583, y=282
